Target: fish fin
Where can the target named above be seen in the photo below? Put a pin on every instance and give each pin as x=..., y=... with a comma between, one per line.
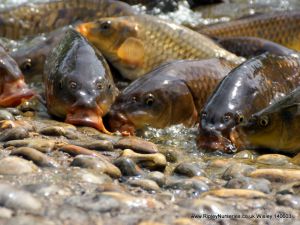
x=132, y=52
x=192, y=120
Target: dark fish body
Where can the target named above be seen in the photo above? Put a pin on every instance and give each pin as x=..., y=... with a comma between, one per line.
x=13, y=88
x=251, y=46
x=280, y=27
x=29, y=19
x=171, y=94
x=276, y=127
x=78, y=83
x=135, y=45
x=247, y=89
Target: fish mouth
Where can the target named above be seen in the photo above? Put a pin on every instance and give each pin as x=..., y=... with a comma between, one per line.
x=14, y=93
x=87, y=117
x=238, y=138
x=215, y=142
x=119, y=122
x=85, y=28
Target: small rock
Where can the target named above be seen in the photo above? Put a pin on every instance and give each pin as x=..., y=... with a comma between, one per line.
x=36, y=156
x=190, y=169
x=277, y=175
x=150, y=161
x=236, y=193
x=273, y=159
x=14, y=134
x=296, y=159
x=5, y=115
x=14, y=165
x=262, y=185
x=222, y=163
x=99, y=164
x=39, y=144
x=237, y=170
x=99, y=145
x=187, y=184
x=292, y=201
x=158, y=177
x=148, y=185
x=29, y=220
x=76, y=150
x=14, y=198
x=128, y=167
x=136, y=144
x=52, y=131
x=290, y=188
x=5, y=213
x=46, y=189
x=245, y=154
x=89, y=177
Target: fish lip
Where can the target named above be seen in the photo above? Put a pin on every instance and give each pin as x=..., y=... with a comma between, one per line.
x=120, y=122
x=238, y=138
x=91, y=117
x=14, y=92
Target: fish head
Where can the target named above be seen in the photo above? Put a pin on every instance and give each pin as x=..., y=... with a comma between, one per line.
x=155, y=101
x=80, y=86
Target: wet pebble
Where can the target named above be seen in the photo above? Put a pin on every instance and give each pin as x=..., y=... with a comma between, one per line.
x=14, y=134
x=262, y=185
x=151, y=161
x=186, y=184
x=5, y=115
x=15, y=198
x=99, y=145
x=290, y=188
x=128, y=167
x=136, y=144
x=96, y=163
x=237, y=170
x=292, y=201
x=42, y=145
x=273, y=159
x=46, y=189
x=76, y=150
x=277, y=175
x=245, y=154
x=5, y=213
x=157, y=176
x=58, y=131
x=29, y=220
x=14, y=111
x=84, y=175
x=36, y=156
x=14, y=165
x=190, y=169
x=148, y=185
x=235, y=193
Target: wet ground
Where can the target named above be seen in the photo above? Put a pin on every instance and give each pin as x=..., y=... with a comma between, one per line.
x=56, y=173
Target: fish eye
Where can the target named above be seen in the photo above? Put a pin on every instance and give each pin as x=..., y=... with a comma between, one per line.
x=149, y=100
x=264, y=121
x=99, y=85
x=105, y=26
x=73, y=85
x=240, y=118
x=26, y=65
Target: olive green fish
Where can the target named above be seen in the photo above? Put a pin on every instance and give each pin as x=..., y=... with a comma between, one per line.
x=276, y=127
x=280, y=27
x=173, y=93
x=137, y=44
x=78, y=84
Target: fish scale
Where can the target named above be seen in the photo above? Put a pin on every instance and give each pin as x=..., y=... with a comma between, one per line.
x=279, y=27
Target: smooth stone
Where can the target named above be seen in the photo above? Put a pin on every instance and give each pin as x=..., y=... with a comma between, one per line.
x=296, y=159
x=5, y=115
x=277, y=175
x=14, y=134
x=99, y=145
x=172, y=155
x=52, y=131
x=29, y=220
x=98, y=164
x=70, y=215
x=222, y=163
x=36, y=156
x=74, y=150
x=186, y=184
x=14, y=198
x=262, y=185
x=128, y=167
x=89, y=177
x=42, y=145
x=92, y=132
x=5, y=213
x=190, y=169
x=12, y=165
x=273, y=159
x=237, y=170
x=157, y=176
x=148, y=185
x=245, y=154
x=46, y=189
x=151, y=161
x=292, y=201
x=237, y=193
x=14, y=111
x=290, y=188
x=137, y=144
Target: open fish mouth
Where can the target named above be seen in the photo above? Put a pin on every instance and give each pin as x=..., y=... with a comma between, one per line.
x=87, y=117
x=119, y=122
x=14, y=92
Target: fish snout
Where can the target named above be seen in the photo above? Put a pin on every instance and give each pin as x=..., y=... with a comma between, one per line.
x=119, y=122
